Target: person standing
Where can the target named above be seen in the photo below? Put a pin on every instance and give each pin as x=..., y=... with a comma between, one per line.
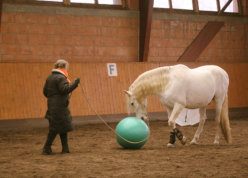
x=57, y=90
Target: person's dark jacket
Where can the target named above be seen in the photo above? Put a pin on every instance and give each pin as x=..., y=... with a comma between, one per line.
x=57, y=90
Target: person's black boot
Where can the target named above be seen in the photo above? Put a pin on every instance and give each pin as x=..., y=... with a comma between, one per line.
x=65, y=147
x=47, y=150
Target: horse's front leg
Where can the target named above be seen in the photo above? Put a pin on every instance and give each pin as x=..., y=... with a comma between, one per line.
x=172, y=134
x=175, y=132
x=203, y=117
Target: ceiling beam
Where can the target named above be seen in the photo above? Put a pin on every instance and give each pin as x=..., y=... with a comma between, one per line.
x=146, y=8
x=194, y=50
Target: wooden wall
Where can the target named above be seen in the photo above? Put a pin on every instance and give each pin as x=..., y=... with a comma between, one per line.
x=33, y=37
x=22, y=83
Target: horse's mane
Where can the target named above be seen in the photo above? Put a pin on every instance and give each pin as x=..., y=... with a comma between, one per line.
x=150, y=82
x=154, y=81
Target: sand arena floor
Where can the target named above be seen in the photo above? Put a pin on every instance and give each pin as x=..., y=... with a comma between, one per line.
x=95, y=153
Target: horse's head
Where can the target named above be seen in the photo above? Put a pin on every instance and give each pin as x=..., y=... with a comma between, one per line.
x=139, y=107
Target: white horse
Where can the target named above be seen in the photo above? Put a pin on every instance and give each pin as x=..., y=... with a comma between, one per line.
x=180, y=87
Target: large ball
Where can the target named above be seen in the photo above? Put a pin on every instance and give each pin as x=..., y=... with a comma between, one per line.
x=134, y=131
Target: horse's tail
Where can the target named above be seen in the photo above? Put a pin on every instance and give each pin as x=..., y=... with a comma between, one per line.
x=224, y=121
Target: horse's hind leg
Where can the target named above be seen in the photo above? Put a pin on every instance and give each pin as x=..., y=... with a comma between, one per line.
x=217, y=120
x=200, y=126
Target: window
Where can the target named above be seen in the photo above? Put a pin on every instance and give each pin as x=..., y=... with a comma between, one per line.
x=203, y=5
x=185, y=4
x=100, y=2
x=83, y=1
x=233, y=6
x=209, y=5
x=110, y=2
x=161, y=4
x=52, y=0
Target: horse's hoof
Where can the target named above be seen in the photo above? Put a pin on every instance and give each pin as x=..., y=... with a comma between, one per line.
x=216, y=143
x=193, y=143
x=184, y=140
x=169, y=145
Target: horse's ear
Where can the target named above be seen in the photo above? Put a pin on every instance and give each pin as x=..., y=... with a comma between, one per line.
x=127, y=92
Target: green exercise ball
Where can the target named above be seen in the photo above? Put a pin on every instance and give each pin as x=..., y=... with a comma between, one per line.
x=132, y=133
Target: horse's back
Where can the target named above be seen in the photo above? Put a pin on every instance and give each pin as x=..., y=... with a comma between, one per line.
x=219, y=74
x=212, y=68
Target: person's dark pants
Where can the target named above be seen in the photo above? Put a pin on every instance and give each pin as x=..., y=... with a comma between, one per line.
x=50, y=138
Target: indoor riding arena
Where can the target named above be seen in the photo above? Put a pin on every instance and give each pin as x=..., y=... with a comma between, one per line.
x=109, y=44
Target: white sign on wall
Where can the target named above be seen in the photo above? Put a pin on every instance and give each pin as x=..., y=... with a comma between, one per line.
x=112, y=69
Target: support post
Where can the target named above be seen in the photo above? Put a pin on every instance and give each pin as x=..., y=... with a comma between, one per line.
x=1, y=10
x=146, y=8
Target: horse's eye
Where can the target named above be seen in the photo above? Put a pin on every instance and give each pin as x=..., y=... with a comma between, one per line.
x=132, y=103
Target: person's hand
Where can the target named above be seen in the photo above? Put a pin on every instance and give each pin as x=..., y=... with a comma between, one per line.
x=77, y=81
